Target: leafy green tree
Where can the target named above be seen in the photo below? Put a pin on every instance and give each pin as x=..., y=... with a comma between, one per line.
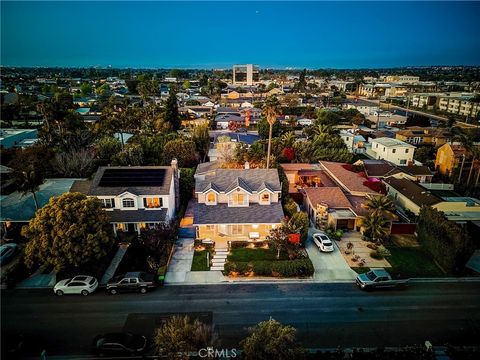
x=299, y=223
x=186, y=85
x=76, y=163
x=290, y=207
x=181, y=149
x=450, y=244
x=86, y=89
x=107, y=147
x=278, y=238
x=187, y=184
x=263, y=129
x=102, y=89
x=181, y=335
x=270, y=111
x=27, y=181
x=272, y=340
x=424, y=154
x=131, y=155
x=171, y=110
x=68, y=232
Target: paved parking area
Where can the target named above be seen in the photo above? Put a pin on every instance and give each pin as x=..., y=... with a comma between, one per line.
x=328, y=266
x=181, y=261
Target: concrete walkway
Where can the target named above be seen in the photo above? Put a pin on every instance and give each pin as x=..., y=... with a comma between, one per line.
x=39, y=280
x=328, y=266
x=122, y=249
x=181, y=262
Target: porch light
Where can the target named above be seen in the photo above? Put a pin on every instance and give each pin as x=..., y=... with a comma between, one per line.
x=255, y=226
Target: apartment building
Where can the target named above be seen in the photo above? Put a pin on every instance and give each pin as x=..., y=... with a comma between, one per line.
x=459, y=103
x=416, y=135
x=402, y=78
x=248, y=74
x=393, y=150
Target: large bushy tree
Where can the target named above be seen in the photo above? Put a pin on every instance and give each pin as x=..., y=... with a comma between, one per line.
x=272, y=340
x=182, y=335
x=71, y=230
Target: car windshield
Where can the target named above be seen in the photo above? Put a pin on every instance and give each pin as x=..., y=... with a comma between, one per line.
x=371, y=275
x=4, y=251
x=81, y=278
x=323, y=237
x=327, y=243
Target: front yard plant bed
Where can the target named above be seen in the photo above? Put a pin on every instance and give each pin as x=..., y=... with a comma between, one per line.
x=200, y=260
x=274, y=268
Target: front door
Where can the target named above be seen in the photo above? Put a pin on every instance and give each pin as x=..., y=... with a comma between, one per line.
x=130, y=228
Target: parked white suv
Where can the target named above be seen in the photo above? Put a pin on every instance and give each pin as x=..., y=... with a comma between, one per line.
x=323, y=242
x=80, y=284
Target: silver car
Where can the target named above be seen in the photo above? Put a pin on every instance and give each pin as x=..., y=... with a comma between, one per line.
x=323, y=242
x=80, y=284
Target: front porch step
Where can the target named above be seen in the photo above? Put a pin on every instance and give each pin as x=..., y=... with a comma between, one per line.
x=221, y=249
x=217, y=268
x=221, y=256
x=221, y=252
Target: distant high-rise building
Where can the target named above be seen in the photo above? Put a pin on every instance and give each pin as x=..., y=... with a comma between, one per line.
x=245, y=74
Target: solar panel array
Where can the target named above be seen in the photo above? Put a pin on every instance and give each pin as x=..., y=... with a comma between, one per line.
x=132, y=177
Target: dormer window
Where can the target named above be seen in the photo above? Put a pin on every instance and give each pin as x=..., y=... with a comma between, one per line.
x=128, y=203
x=238, y=199
x=211, y=198
x=265, y=198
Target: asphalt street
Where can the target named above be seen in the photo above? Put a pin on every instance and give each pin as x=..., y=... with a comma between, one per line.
x=326, y=315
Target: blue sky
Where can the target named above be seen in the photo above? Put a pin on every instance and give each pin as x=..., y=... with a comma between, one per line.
x=219, y=34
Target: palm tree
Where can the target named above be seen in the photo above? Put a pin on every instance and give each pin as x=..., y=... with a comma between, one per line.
x=288, y=139
x=379, y=205
x=270, y=111
x=376, y=226
x=28, y=181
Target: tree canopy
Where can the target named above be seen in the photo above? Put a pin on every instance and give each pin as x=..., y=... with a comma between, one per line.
x=71, y=230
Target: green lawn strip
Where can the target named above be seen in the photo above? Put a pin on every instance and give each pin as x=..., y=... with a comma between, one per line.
x=200, y=261
x=246, y=254
x=412, y=262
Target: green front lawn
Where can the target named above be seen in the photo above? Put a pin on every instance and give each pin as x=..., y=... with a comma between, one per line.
x=200, y=261
x=412, y=262
x=259, y=254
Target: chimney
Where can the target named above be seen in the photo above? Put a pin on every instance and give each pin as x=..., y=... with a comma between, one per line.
x=247, y=165
x=176, y=183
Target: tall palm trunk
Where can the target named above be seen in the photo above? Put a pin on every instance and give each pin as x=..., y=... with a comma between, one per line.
x=471, y=171
x=461, y=169
x=269, y=144
x=35, y=199
x=478, y=176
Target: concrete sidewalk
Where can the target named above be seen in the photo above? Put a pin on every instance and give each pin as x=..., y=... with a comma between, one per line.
x=181, y=262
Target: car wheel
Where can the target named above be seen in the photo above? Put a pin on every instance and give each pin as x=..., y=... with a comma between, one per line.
x=143, y=290
x=59, y=292
x=85, y=292
x=113, y=291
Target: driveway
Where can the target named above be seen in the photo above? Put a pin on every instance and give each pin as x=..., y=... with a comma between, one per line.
x=328, y=266
x=181, y=261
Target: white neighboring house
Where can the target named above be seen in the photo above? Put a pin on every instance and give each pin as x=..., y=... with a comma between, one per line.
x=393, y=150
x=347, y=138
x=135, y=197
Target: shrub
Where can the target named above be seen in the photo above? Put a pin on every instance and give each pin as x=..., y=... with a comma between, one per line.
x=376, y=255
x=290, y=207
x=334, y=234
x=382, y=250
x=283, y=268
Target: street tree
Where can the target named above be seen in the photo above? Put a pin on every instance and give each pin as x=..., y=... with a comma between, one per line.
x=68, y=232
x=181, y=335
x=272, y=340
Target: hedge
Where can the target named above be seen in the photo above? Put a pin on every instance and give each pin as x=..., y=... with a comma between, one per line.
x=244, y=244
x=281, y=268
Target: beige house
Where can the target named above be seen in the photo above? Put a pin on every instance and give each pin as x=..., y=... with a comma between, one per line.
x=236, y=204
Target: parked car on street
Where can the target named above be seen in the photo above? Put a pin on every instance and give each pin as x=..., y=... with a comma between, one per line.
x=80, y=284
x=378, y=278
x=131, y=282
x=323, y=242
x=7, y=251
x=119, y=344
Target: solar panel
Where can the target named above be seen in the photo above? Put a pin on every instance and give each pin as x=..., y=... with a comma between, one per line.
x=132, y=177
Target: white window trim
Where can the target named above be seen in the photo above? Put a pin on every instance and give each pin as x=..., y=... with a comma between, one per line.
x=263, y=202
x=245, y=202
x=211, y=202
